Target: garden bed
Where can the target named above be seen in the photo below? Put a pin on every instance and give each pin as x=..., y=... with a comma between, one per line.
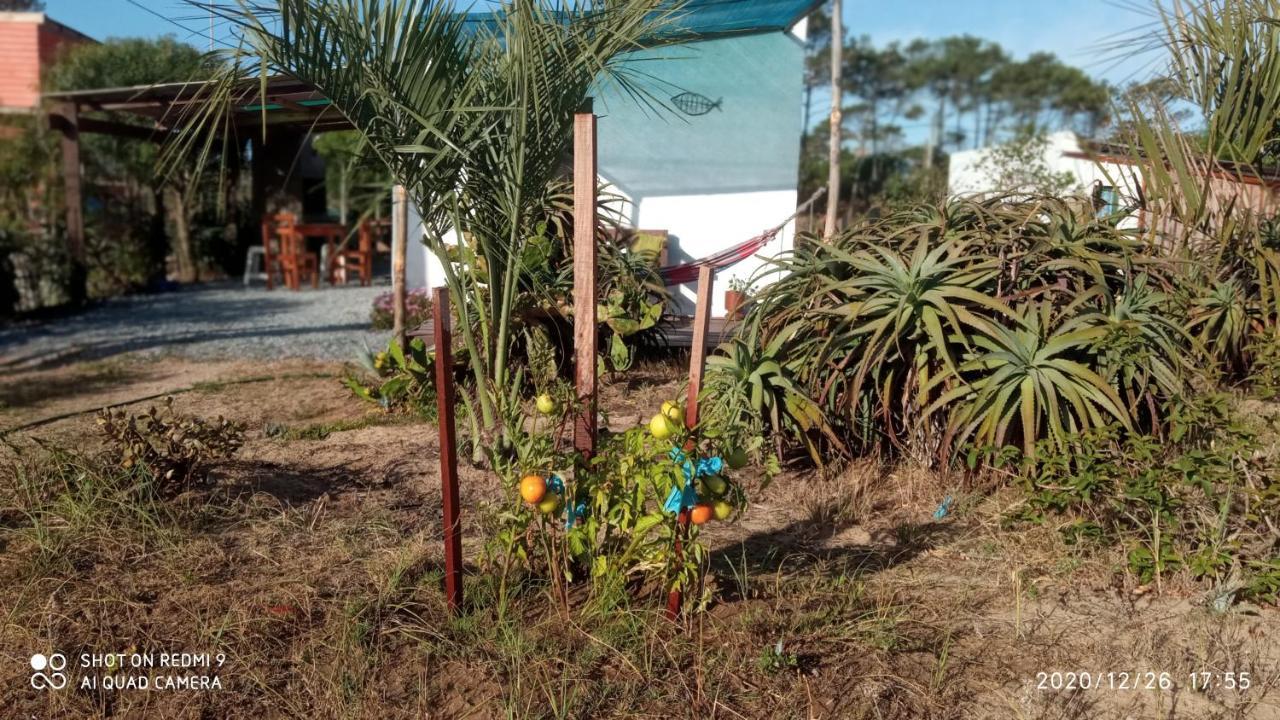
x=312, y=563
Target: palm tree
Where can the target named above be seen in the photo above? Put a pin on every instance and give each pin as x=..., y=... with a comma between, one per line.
x=1223, y=61
x=472, y=114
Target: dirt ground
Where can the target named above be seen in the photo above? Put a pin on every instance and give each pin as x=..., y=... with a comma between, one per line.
x=311, y=568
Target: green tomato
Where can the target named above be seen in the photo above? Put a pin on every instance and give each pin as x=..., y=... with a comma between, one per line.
x=546, y=405
x=673, y=412
x=722, y=510
x=550, y=504
x=736, y=458
x=715, y=485
x=661, y=426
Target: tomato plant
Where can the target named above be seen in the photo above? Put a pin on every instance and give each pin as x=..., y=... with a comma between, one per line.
x=612, y=520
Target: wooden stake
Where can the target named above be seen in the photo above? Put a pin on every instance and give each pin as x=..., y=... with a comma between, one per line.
x=584, y=280
x=697, y=364
x=448, y=449
x=399, y=254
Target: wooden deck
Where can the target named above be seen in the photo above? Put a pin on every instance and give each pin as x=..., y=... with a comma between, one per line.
x=678, y=331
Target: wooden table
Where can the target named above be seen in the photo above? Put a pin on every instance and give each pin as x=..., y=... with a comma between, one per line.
x=332, y=233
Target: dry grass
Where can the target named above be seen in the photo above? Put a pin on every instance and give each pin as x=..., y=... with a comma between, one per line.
x=313, y=565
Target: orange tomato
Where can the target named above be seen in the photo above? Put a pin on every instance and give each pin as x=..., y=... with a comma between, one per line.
x=700, y=513
x=533, y=488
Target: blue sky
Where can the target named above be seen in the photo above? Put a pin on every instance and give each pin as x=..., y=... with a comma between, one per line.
x=1071, y=29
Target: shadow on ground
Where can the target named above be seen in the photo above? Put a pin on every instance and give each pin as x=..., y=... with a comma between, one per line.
x=223, y=317
x=796, y=547
x=22, y=392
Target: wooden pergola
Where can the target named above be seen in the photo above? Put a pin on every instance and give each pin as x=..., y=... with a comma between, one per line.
x=289, y=110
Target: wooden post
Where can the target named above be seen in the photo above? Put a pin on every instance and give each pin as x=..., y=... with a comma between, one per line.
x=448, y=449
x=65, y=118
x=584, y=280
x=697, y=365
x=399, y=254
x=698, y=354
x=837, y=123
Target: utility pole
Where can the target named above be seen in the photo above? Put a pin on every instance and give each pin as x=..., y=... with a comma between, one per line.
x=833, y=154
x=935, y=135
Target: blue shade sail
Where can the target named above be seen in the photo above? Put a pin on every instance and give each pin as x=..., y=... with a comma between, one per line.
x=713, y=18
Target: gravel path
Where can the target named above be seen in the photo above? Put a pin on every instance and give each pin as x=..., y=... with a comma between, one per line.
x=214, y=321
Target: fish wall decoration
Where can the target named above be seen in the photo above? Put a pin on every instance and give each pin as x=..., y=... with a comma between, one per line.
x=692, y=103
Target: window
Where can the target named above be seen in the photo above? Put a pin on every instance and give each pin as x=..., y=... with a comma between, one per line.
x=1106, y=201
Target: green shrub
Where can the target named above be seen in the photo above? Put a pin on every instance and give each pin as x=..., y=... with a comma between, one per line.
x=397, y=380
x=1202, y=505
x=1264, y=371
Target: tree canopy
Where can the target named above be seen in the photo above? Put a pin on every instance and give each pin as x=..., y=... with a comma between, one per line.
x=971, y=90
x=121, y=62
x=962, y=91
x=21, y=5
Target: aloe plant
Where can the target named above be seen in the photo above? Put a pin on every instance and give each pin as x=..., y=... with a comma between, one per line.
x=993, y=322
x=1223, y=320
x=749, y=382
x=1030, y=381
x=1143, y=351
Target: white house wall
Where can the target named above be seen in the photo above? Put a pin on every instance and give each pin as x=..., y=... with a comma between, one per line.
x=968, y=176
x=705, y=224
x=712, y=180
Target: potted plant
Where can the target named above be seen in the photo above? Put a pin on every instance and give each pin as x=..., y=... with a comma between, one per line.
x=736, y=297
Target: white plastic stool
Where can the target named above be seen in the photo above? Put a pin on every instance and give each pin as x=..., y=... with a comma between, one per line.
x=252, y=260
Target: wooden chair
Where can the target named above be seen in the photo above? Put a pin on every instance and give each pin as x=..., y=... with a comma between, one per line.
x=649, y=244
x=280, y=248
x=295, y=261
x=359, y=258
x=271, y=225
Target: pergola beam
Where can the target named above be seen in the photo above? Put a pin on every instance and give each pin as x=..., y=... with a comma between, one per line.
x=119, y=129
x=64, y=118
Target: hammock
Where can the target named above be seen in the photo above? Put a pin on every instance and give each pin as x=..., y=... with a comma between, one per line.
x=688, y=272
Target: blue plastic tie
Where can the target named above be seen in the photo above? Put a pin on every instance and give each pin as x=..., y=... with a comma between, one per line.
x=943, y=509
x=680, y=499
x=575, y=515
x=710, y=466
x=683, y=498
x=672, y=503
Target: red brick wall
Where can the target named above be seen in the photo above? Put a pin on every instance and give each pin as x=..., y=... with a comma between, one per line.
x=28, y=43
x=20, y=60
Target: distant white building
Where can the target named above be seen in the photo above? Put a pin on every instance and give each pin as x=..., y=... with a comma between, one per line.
x=725, y=167
x=1107, y=177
